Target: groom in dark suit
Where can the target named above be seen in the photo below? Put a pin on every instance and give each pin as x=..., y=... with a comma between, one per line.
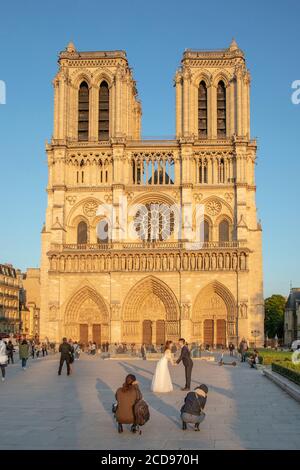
x=185, y=357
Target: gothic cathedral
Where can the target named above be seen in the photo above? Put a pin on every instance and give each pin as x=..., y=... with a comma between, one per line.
x=102, y=281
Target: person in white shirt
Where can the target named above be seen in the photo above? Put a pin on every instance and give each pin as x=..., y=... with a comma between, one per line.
x=3, y=358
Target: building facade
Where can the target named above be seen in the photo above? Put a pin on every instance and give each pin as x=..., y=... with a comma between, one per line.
x=10, y=299
x=31, y=315
x=101, y=281
x=292, y=317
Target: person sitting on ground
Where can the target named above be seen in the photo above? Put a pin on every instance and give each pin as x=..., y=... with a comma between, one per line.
x=126, y=397
x=192, y=409
x=253, y=359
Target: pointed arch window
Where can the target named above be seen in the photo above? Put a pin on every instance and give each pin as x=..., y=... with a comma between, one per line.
x=83, y=112
x=221, y=170
x=202, y=110
x=224, y=231
x=103, y=120
x=82, y=233
x=206, y=231
x=221, y=109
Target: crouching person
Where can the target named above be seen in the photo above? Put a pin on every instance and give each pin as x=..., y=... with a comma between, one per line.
x=192, y=410
x=126, y=397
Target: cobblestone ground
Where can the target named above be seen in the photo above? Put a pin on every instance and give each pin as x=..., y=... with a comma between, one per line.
x=40, y=410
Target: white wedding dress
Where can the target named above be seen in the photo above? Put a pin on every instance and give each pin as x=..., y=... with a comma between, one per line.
x=161, y=382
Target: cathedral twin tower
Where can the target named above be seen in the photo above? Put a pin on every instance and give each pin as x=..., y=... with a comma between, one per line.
x=156, y=285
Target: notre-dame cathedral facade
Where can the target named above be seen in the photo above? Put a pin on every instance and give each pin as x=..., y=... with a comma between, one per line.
x=99, y=281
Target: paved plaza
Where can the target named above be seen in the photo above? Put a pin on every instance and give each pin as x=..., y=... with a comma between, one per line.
x=40, y=410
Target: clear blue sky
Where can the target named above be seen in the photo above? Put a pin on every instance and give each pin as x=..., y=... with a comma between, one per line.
x=154, y=34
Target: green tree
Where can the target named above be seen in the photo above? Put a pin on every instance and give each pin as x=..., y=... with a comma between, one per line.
x=274, y=315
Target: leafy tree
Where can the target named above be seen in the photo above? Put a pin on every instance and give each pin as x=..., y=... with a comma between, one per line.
x=274, y=315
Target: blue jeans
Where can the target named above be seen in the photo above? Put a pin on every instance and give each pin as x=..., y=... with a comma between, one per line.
x=194, y=419
x=24, y=361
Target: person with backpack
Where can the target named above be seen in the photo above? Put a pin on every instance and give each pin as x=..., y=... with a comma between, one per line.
x=127, y=396
x=192, y=409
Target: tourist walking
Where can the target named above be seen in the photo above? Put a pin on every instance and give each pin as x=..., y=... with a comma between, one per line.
x=243, y=349
x=44, y=349
x=143, y=352
x=24, y=353
x=33, y=349
x=65, y=356
x=93, y=348
x=10, y=352
x=72, y=355
x=77, y=351
x=126, y=397
x=192, y=409
x=231, y=348
x=3, y=358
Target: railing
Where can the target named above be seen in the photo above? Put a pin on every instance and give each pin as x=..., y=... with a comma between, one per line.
x=156, y=245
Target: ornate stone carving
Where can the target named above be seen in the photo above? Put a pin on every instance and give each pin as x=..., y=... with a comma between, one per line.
x=90, y=208
x=198, y=197
x=53, y=312
x=185, y=311
x=144, y=261
x=71, y=200
x=228, y=197
x=115, y=311
x=243, y=310
x=108, y=198
x=213, y=207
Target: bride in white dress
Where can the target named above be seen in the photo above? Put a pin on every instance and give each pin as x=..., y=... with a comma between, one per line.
x=161, y=382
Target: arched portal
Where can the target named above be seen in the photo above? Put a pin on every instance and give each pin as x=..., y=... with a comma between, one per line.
x=150, y=313
x=86, y=317
x=213, y=316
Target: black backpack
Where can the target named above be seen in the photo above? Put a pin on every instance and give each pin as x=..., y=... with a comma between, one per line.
x=141, y=412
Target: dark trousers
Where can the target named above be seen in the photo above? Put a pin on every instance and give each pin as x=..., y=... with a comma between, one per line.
x=231, y=352
x=61, y=363
x=188, y=374
x=11, y=358
x=3, y=369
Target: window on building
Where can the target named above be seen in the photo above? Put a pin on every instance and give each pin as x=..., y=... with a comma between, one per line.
x=206, y=231
x=103, y=124
x=202, y=169
x=82, y=233
x=202, y=110
x=224, y=231
x=83, y=112
x=222, y=171
x=221, y=109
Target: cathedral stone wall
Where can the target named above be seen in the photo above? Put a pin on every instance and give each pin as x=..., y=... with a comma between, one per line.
x=131, y=285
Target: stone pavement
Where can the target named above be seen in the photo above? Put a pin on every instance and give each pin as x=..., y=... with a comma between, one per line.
x=40, y=410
